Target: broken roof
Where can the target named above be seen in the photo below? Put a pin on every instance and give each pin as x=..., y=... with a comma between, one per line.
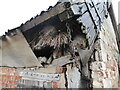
x=86, y=16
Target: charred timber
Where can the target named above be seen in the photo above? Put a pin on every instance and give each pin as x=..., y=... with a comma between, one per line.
x=67, y=29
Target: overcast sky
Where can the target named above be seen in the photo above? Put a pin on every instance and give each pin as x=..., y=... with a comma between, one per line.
x=15, y=12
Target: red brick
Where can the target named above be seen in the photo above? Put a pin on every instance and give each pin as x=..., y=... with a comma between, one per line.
x=61, y=69
x=59, y=54
x=112, y=74
x=55, y=84
x=18, y=77
x=8, y=78
x=98, y=74
x=106, y=74
x=9, y=71
x=113, y=68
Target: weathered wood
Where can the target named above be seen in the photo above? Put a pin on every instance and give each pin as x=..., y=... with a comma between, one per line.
x=42, y=18
x=61, y=61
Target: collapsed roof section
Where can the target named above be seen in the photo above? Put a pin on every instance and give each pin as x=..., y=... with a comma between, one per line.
x=16, y=51
x=67, y=29
x=87, y=14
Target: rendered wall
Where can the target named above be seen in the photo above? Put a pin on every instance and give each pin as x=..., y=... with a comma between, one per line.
x=104, y=67
x=16, y=51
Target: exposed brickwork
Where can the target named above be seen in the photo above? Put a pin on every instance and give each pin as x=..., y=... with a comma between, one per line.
x=55, y=84
x=8, y=77
x=104, y=67
x=61, y=69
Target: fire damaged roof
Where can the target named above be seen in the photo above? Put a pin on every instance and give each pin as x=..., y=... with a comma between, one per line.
x=61, y=34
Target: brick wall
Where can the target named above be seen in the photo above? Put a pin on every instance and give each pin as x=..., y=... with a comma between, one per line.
x=52, y=77
x=8, y=77
x=104, y=67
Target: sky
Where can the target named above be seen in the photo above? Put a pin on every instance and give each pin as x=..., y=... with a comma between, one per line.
x=15, y=12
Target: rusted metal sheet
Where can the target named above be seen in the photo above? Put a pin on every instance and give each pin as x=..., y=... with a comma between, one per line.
x=40, y=76
x=32, y=83
x=16, y=51
x=37, y=79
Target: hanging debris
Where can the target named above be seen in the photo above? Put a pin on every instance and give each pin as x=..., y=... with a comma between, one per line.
x=62, y=38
